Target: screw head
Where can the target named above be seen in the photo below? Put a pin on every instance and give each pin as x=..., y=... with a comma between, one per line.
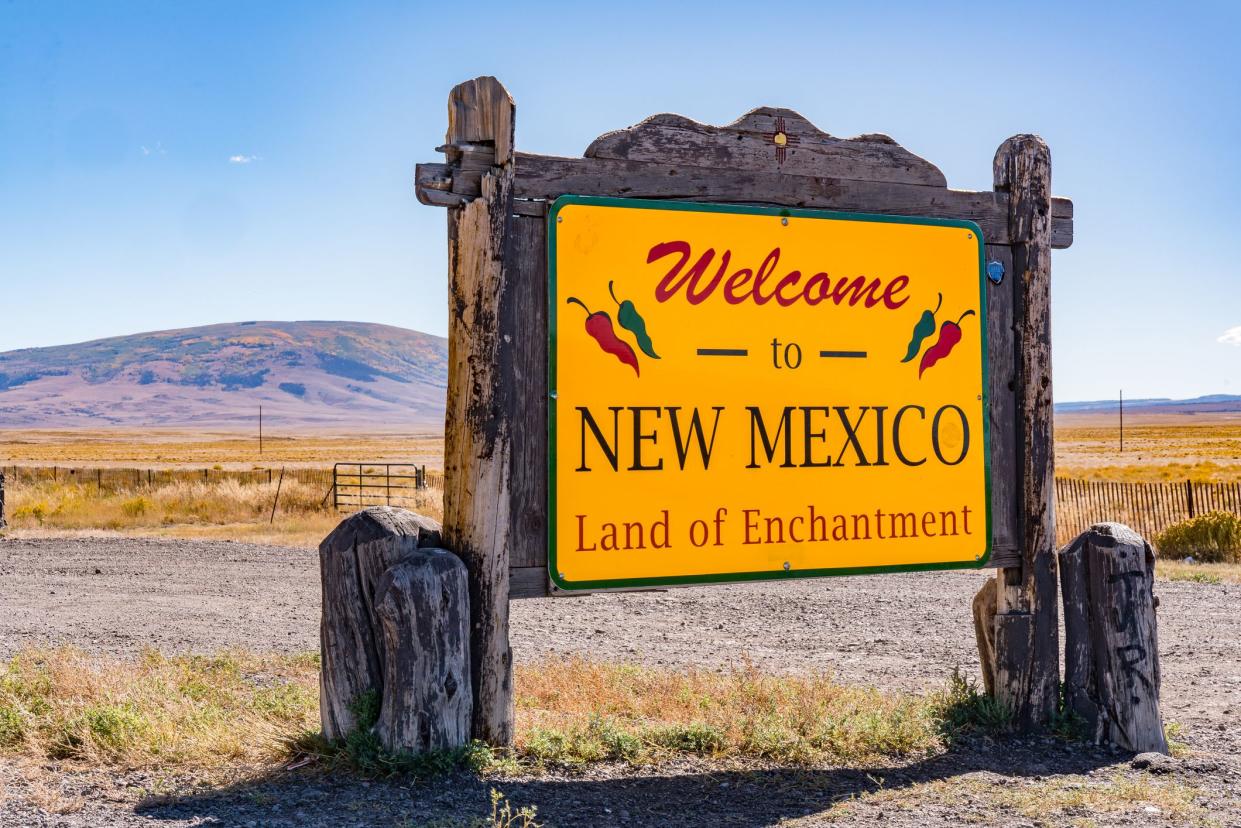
x=786, y=566
x=969, y=235
x=785, y=221
x=559, y=219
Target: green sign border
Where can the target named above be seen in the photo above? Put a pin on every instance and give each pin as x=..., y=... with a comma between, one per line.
x=763, y=575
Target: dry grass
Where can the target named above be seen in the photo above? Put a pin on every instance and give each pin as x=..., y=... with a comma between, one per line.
x=237, y=709
x=227, y=449
x=1063, y=800
x=224, y=509
x=187, y=713
x=1198, y=573
x=1200, y=447
x=579, y=711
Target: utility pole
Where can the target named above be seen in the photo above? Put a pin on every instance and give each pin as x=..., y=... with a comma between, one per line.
x=261, y=431
x=1122, y=421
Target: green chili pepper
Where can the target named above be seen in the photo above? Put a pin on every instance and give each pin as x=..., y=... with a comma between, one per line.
x=632, y=321
x=924, y=328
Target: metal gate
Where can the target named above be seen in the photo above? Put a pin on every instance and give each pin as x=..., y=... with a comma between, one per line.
x=358, y=485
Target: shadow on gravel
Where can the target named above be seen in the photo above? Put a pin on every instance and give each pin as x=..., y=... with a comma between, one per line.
x=610, y=796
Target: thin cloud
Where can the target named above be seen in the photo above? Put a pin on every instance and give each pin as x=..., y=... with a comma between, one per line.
x=244, y=159
x=1232, y=336
x=158, y=149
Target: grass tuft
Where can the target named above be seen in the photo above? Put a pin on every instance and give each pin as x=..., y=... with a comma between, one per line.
x=961, y=708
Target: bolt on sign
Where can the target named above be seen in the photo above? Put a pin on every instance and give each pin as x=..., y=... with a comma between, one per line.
x=743, y=393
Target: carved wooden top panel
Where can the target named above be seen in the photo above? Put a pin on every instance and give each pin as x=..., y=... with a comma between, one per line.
x=767, y=140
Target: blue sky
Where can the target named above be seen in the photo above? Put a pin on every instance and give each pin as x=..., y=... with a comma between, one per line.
x=172, y=164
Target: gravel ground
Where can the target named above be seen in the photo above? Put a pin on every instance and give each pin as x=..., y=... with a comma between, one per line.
x=117, y=595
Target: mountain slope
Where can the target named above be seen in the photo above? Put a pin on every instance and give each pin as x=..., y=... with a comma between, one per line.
x=309, y=373
x=1209, y=404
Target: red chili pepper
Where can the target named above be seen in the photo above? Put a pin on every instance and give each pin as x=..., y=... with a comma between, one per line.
x=949, y=336
x=599, y=326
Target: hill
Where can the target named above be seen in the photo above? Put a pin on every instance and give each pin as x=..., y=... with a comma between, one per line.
x=1210, y=404
x=302, y=373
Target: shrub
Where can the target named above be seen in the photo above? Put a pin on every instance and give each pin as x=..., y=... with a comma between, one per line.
x=11, y=726
x=38, y=511
x=135, y=506
x=1211, y=538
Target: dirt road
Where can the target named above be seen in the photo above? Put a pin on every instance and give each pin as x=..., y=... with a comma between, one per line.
x=118, y=595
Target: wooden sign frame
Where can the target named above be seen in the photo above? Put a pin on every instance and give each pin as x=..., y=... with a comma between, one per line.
x=495, y=500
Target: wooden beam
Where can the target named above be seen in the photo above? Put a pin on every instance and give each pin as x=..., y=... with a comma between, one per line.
x=477, y=423
x=544, y=177
x=1027, y=639
x=769, y=140
x=528, y=582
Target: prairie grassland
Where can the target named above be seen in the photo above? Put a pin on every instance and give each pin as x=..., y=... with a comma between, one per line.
x=222, y=509
x=168, y=448
x=238, y=709
x=1200, y=447
x=1203, y=447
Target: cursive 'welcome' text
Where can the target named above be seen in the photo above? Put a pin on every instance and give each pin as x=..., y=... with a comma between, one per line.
x=760, y=285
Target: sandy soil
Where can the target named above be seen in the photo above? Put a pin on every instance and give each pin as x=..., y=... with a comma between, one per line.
x=119, y=595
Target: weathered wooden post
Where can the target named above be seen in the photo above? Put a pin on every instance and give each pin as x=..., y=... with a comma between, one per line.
x=1111, y=652
x=394, y=627
x=2, y=522
x=477, y=438
x=1027, y=668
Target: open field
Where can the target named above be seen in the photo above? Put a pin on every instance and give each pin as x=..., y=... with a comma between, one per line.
x=1167, y=448
x=289, y=512
x=171, y=448
x=745, y=731
x=1157, y=447
x=1200, y=447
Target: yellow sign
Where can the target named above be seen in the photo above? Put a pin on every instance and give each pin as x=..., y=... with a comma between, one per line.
x=741, y=393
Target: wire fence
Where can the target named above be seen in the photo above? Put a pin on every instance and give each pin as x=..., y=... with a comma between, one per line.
x=1149, y=508
x=112, y=480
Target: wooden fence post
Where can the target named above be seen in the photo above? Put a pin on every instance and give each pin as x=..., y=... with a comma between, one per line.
x=2, y=521
x=1027, y=669
x=477, y=436
x=1111, y=652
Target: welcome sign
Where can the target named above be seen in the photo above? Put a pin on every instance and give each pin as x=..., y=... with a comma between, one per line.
x=741, y=393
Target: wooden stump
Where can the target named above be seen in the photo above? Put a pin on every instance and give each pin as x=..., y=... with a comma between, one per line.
x=424, y=612
x=984, y=608
x=1111, y=652
x=352, y=560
